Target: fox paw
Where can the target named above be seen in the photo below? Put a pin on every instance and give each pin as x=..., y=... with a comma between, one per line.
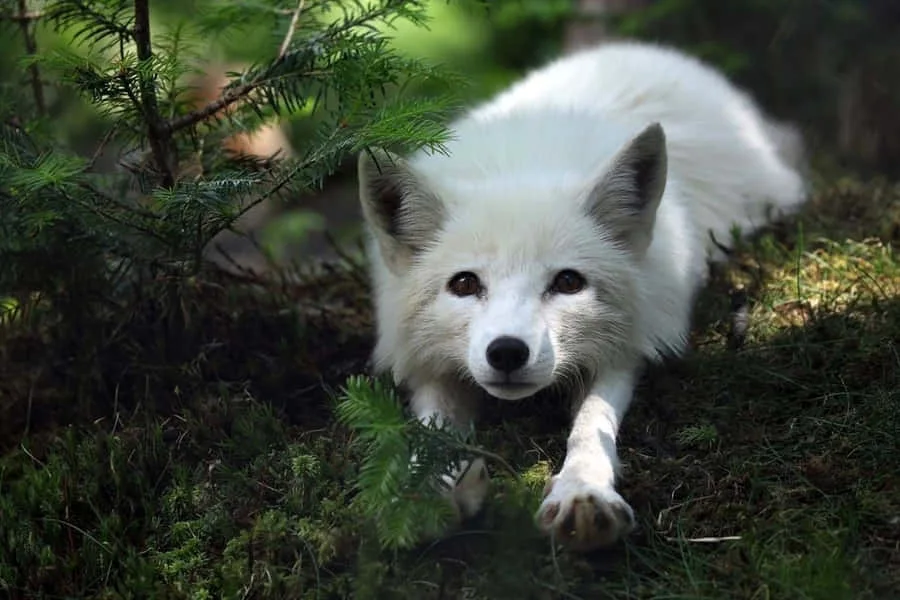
x=583, y=515
x=468, y=488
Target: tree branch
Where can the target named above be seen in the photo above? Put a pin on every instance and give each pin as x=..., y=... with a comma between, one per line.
x=195, y=116
x=25, y=20
x=158, y=133
x=237, y=94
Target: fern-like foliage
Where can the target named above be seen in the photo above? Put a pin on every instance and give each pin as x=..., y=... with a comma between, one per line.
x=400, y=478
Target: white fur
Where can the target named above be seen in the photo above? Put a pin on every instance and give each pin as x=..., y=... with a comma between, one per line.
x=541, y=179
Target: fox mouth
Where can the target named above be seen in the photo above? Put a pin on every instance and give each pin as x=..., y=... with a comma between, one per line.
x=510, y=390
x=510, y=385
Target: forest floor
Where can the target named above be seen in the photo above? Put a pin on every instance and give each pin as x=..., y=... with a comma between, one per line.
x=209, y=464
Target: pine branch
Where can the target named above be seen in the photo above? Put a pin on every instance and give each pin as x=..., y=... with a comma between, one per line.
x=232, y=96
x=101, y=147
x=386, y=12
x=403, y=497
x=158, y=134
x=94, y=24
x=227, y=99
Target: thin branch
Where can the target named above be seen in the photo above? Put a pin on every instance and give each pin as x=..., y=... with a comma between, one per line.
x=119, y=204
x=149, y=231
x=101, y=147
x=227, y=99
x=236, y=94
x=25, y=24
x=279, y=184
x=158, y=134
x=295, y=18
x=23, y=16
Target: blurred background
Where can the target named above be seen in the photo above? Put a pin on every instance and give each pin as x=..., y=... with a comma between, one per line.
x=828, y=66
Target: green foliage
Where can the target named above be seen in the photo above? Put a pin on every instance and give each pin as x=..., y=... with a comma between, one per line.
x=697, y=435
x=400, y=478
x=101, y=254
x=157, y=216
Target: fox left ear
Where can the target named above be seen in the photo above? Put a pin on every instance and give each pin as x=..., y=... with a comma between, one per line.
x=626, y=198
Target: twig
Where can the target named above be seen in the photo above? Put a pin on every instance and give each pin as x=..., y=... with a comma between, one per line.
x=115, y=219
x=31, y=456
x=23, y=16
x=705, y=540
x=101, y=147
x=291, y=29
x=201, y=114
x=31, y=48
x=310, y=159
x=30, y=408
x=86, y=535
x=158, y=134
x=495, y=457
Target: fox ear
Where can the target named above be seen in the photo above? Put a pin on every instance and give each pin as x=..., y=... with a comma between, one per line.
x=401, y=212
x=626, y=198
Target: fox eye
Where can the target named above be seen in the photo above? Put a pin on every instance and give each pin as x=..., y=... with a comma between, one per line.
x=464, y=284
x=568, y=281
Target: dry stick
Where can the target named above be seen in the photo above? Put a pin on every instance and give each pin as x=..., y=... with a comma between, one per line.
x=25, y=19
x=291, y=29
x=706, y=540
x=24, y=16
x=158, y=134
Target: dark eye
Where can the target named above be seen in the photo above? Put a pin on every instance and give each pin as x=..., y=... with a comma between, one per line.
x=464, y=284
x=567, y=281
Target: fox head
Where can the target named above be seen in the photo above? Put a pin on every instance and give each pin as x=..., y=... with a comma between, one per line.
x=518, y=283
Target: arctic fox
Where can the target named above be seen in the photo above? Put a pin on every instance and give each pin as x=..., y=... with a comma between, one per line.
x=559, y=243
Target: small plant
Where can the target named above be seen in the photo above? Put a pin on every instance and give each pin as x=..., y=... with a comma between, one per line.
x=701, y=436
x=399, y=493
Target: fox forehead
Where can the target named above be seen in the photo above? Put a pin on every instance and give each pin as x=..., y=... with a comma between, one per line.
x=525, y=234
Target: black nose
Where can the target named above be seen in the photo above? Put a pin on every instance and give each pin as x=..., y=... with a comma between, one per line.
x=507, y=354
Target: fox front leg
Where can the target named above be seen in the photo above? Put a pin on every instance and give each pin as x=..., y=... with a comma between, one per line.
x=581, y=507
x=451, y=404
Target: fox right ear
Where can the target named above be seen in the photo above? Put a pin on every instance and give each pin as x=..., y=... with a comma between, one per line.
x=402, y=214
x=626, y=198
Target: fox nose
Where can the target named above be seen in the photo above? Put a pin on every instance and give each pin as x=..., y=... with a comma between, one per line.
x=507, y=354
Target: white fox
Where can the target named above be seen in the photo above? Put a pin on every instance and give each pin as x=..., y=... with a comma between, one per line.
x=559, y=243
